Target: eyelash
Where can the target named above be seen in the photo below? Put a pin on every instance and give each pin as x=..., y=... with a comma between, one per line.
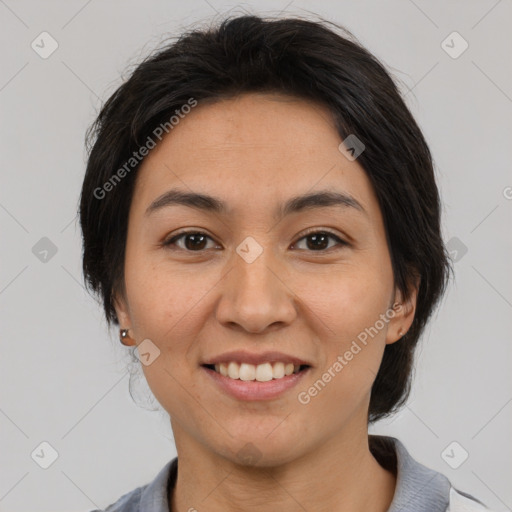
x=172, y=240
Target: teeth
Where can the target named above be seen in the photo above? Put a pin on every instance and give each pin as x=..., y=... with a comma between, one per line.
x=233, y=370
x=278, y=370
x=261, y=372
x=247, y=372
x=264, y=372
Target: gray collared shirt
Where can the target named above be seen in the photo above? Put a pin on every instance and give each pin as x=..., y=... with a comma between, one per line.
x=418, y=488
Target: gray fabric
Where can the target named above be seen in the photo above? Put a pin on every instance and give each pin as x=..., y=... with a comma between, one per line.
x=151, y=497
x=418, y=489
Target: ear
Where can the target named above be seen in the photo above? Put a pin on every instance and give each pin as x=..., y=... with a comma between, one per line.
x=404, y=311
x=123, y=314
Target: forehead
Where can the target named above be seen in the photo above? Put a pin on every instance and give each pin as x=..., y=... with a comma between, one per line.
x=253, y=149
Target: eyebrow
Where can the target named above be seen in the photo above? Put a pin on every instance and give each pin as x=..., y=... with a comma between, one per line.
x=205, y=202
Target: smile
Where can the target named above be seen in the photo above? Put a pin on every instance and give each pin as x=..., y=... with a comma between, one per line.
x=261, y=372
x=265, y=381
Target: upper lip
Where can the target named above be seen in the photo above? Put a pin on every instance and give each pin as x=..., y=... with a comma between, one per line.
x=242, y=356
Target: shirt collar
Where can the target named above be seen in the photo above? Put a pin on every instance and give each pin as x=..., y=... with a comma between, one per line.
x=418, y=488
x=154, y=496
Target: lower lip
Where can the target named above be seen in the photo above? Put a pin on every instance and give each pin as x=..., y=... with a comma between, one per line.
x=255, y=390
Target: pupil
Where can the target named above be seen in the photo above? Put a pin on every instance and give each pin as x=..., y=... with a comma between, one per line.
x=195, y=240
x=316, y=238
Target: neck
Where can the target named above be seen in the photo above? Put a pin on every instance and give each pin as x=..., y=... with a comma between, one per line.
x=340, y=475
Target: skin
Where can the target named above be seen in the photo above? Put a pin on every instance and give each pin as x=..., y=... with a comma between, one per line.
x=254, y=152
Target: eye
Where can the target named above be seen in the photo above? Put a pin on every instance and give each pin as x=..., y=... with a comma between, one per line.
x=320, y=240
x=194, y=241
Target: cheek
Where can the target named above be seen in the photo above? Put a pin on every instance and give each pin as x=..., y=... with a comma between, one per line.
x=159, y=294
x=164, y=307
x=167, y=306
x=351, y=307
x=350, y=300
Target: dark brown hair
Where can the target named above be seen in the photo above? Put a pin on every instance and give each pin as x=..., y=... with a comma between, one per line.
x=303, y=58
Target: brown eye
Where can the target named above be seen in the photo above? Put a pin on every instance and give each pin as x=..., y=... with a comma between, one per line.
x=318, y=241
x=196, y=241
x=193, y=241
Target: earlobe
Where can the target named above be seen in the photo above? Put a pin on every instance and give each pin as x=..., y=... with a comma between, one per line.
x=404, y=311
x=124, y=337
x=123, y=316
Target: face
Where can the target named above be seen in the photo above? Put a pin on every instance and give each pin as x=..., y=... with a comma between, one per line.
x=277, y=282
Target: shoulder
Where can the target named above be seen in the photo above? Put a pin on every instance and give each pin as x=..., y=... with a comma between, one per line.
x=129, y=502
x=419, y=488
x=151, y=497
x=462, y=502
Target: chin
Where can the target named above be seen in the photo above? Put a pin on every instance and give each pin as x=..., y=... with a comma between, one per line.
x=261, y=447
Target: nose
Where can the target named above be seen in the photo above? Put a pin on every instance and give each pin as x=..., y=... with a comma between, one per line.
x=255, y=296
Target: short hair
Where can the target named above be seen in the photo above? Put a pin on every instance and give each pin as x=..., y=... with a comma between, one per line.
x=300, y=58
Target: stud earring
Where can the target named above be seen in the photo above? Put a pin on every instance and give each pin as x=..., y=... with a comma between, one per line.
x=400, y=332
x=123, y=335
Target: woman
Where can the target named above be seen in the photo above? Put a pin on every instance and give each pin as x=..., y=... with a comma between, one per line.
x=260, y=218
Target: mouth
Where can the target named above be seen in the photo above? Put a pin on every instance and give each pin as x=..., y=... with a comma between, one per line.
x=261, y=373
x=248, y=382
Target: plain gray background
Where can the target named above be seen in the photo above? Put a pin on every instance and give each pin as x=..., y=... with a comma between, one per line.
x=64, y=378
